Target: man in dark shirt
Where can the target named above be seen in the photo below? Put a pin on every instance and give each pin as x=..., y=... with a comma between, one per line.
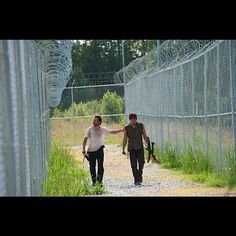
x=135, y=132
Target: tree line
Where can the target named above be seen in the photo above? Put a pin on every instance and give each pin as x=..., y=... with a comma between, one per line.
x=98, y=56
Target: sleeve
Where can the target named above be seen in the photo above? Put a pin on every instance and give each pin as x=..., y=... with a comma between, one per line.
x=87, y=133
x=106, y=130
x=143, y=128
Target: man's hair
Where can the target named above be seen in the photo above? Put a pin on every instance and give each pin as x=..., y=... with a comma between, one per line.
x=99, y=118
x=132, y=116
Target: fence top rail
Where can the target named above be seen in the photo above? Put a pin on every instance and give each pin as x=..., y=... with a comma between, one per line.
x=191, y=116
x=88, y=116
x=96, y=86
x=141, y=114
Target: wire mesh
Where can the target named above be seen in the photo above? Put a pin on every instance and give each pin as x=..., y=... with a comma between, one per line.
x=188, y=99
x=78, y=106
x=33, y=76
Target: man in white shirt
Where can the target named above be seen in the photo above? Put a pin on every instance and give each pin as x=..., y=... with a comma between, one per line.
x=96, y=135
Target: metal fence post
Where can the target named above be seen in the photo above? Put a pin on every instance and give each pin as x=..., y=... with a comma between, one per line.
x=124, y=81
x=158, y=49
x=193, y=104
x=161, y=115
x=25, y=115
x=167, y=108
x=205, y=105
x=232, y=52
x=3, y=190
x=219, y=159
x=175, y=111
x=159, y=78
x=182, y=107
x=14, y=110
x=73, y=113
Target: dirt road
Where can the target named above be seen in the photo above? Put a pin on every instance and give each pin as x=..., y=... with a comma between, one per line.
x=118, y=179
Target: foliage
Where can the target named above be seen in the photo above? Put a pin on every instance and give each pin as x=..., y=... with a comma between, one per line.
x=197, y=166
x=66, y=176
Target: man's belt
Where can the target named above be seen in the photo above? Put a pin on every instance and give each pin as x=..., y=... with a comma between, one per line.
x=87, y=154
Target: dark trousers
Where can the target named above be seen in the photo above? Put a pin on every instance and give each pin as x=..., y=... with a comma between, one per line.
x=99, y=157
x=137, y=158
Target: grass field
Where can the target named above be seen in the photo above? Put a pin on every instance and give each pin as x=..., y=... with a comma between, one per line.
x=70, y=132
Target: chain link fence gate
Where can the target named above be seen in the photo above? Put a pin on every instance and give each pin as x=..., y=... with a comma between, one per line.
x=33, y=75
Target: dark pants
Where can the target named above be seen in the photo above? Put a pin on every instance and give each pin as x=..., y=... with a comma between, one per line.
x=99, y=157
x=137, y=157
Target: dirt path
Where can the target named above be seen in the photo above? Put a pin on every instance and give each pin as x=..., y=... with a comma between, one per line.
x=118, y=179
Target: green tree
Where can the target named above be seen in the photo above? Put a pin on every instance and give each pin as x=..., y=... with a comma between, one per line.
x=92, y=56
x=112, y=103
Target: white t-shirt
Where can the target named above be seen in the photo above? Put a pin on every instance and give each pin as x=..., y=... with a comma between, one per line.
x=96, y=137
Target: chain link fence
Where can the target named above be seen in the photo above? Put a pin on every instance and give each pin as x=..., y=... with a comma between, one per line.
x=80, y=103
x=32, y=77
x=187, y=99
x=183, y=91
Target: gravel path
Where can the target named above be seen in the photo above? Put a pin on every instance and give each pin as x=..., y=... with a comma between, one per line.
x=118, y=179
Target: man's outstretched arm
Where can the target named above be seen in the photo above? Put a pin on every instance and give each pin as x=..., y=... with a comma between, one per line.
x=116, y=131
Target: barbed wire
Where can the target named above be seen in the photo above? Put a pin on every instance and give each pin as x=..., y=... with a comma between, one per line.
x=169, y=53
x=54, y=59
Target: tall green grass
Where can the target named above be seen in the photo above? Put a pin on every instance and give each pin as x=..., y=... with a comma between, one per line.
x=66, y=176
x=194, y=163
